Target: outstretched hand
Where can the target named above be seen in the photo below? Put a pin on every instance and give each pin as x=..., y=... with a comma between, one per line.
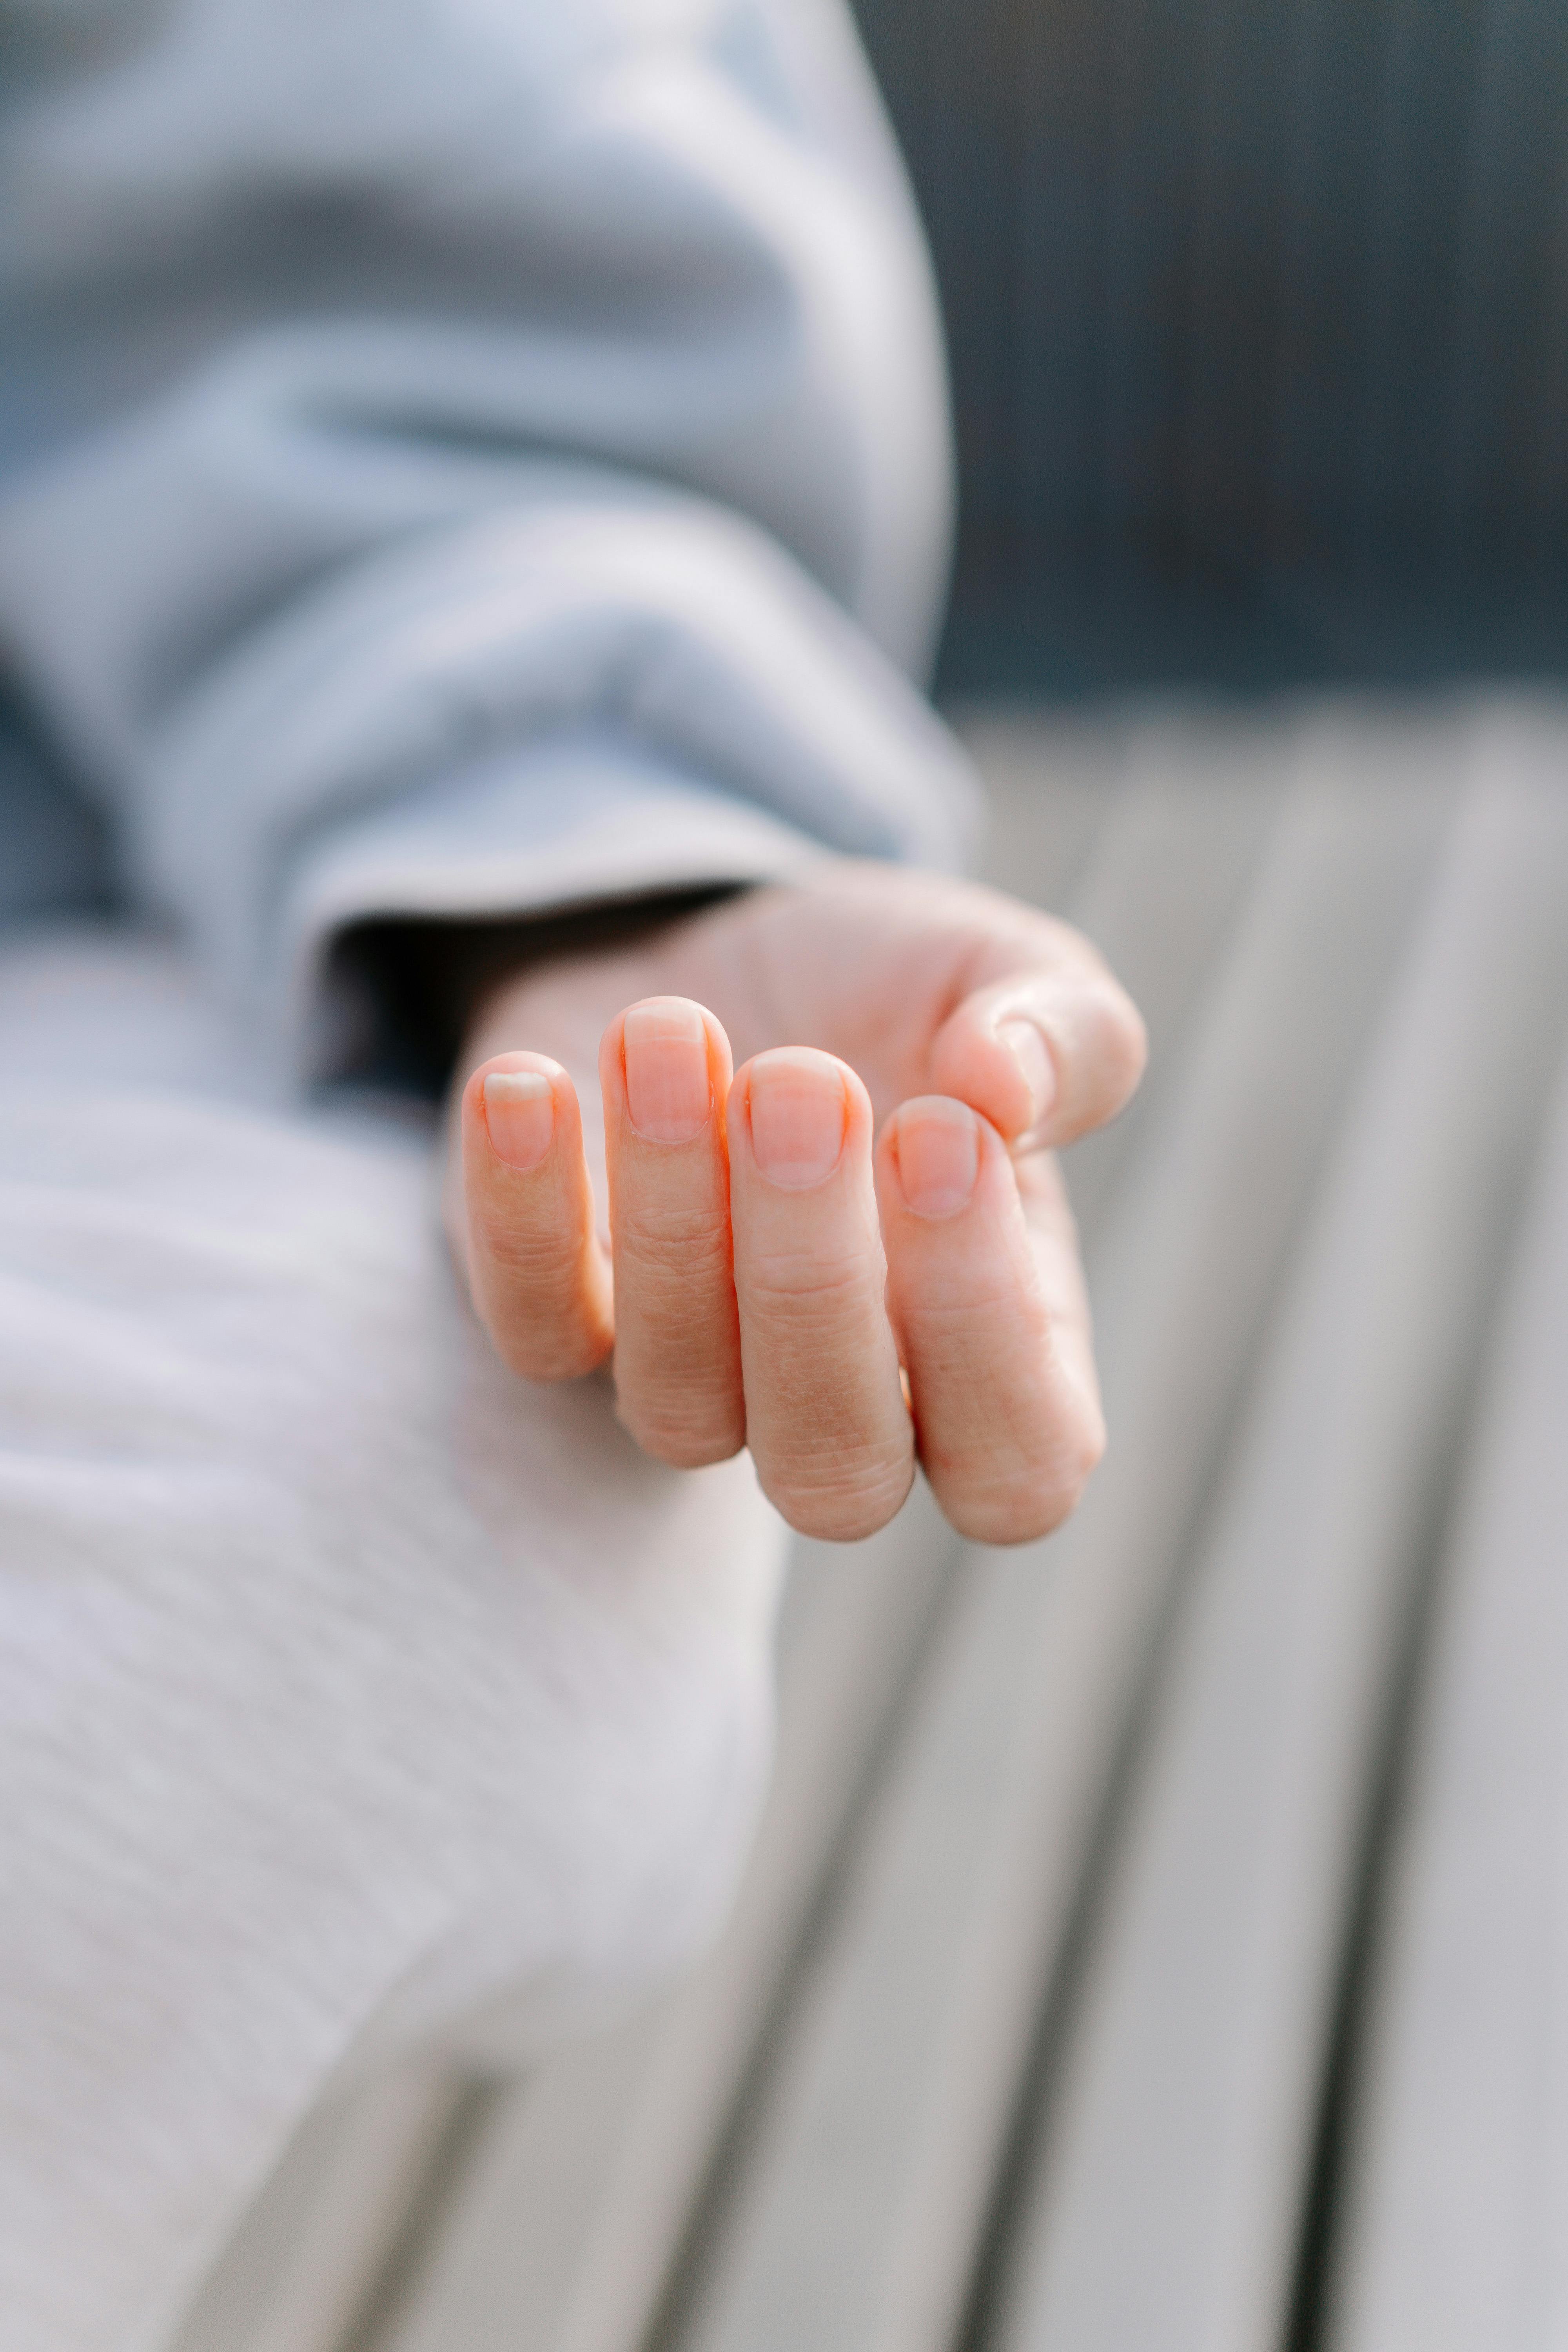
x=852, y=1250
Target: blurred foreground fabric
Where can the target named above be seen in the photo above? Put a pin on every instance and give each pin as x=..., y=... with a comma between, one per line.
x=1157, y=1937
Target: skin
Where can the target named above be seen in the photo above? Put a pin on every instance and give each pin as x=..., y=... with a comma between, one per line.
x=811, y=1205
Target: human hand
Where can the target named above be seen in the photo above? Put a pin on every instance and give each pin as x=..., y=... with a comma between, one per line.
x=758, y=1272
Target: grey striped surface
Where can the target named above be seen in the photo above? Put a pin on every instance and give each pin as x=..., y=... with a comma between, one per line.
x=1258, y=313
x=1063, y=2007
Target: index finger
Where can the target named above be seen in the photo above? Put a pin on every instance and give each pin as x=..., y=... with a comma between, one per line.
x=538, y=1275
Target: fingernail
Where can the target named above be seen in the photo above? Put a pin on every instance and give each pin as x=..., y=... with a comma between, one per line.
x=668, y=1095
x=938, y=1156
x=798, y=1116
x=520, y=1112
x=1029, y=1050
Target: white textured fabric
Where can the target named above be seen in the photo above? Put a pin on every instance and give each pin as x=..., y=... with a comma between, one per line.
x=346, y=1682
x=455, y=457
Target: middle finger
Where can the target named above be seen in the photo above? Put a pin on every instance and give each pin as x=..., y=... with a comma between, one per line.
x=825, y=1418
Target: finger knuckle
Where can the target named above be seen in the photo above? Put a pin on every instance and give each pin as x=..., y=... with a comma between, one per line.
x=1011, y=1514
x=546, y=1355
x=1029, y=1495
x=840, y=1500
x=689, y=1433
x=791, y=1287
x=541, y=1265
x=673, y=1239
x=538, y=1307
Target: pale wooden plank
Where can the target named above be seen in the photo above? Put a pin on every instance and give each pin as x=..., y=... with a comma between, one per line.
x=1051, y=781
x=856, y=2221
x=1162, y=889
x=1455, y=2203
x=1168, y=2198
x=301, y=2268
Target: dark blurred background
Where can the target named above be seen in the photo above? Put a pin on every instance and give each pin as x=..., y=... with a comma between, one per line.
x=1258, y=320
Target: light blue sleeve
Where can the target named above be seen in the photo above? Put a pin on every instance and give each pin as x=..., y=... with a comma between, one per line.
x=466, y=457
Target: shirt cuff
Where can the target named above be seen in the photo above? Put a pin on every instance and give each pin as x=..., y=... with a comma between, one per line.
x=537, y=831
